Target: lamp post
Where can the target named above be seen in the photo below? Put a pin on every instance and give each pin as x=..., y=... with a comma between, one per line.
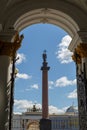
x=13, y=75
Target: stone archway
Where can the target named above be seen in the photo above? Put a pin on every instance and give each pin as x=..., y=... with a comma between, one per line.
x=71, y=16
x=33, y=125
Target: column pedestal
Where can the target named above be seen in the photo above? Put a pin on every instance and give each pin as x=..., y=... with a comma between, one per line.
x=45, y=124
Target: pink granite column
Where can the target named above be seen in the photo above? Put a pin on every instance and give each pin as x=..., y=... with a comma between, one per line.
x=45, y=69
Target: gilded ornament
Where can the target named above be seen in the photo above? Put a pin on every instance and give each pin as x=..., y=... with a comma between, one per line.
x=82, y=50
x=76, y=57
x=10, y=48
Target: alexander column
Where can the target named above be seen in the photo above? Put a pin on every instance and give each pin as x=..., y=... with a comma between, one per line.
x=45, y=123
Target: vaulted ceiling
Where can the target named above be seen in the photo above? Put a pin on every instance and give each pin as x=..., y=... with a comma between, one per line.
x=11, y=12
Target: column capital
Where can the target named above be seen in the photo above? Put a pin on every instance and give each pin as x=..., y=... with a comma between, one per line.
x=82, y=50
x=10, y=48
x=76, y=59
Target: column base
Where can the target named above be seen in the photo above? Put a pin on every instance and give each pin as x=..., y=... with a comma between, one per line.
x=45, y=124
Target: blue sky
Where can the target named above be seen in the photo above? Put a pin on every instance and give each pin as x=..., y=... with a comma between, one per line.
x=62, y=75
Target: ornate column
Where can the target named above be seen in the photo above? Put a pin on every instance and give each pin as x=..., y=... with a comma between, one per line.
x=7, y=53
x=80, y=57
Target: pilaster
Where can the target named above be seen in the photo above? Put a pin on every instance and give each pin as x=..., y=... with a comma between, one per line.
x=7, y=56
x=80, y=58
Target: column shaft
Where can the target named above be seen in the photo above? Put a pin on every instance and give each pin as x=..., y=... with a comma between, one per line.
x=45, y=123
x=4, y=79
x=45, y=94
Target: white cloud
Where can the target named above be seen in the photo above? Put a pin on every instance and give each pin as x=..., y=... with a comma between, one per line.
x=35, y=86
x=17, y=113
x=22, y=105
x=63, y=82
x=50, y=84
x=55, y=110
x=23, y=76
x=73, y=94
x=21, y=57
x=28, y=89
x=63, y=54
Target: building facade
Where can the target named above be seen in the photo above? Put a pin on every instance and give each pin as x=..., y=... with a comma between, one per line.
x=30, y=120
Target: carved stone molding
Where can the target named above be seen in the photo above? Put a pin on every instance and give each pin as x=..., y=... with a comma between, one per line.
x=10, y=48
x=82, y=50
x=79, y=53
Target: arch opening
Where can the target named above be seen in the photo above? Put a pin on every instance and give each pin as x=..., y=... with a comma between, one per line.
x=34, y=125
x=34, y=39
x=49, y=16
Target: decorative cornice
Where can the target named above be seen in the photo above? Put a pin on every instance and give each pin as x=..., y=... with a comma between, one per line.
x=79, y=37
x=7, y=35
x=10, y=48
x=74, y=42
